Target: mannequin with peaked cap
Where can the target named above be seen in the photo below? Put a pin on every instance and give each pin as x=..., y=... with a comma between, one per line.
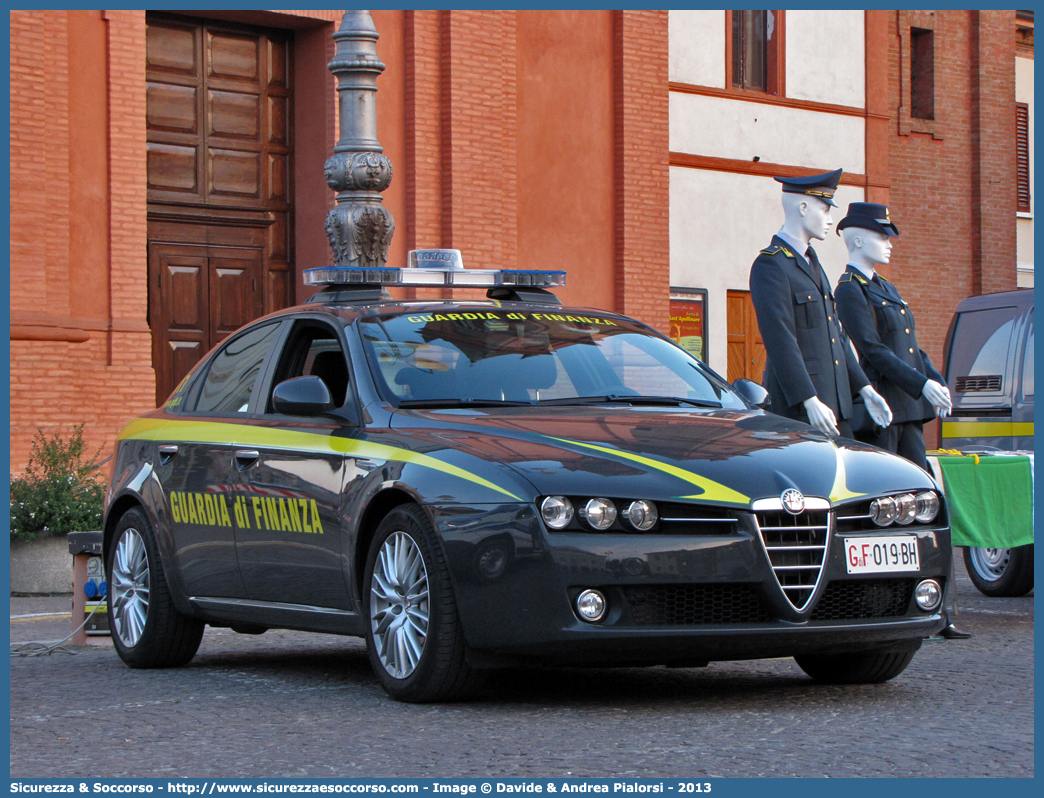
x=811, y=372
x=881, y=325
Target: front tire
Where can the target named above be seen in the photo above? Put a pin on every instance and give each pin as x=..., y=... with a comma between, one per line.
x=414, y=636
x=859, y=667
x=1000, y=572
x=147, y=630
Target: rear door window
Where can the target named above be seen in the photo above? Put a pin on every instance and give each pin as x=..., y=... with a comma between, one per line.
x=235, y=370
x=979, y=357
x=1027, y=364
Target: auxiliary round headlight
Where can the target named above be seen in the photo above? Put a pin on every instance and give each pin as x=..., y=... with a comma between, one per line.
x=927, y=506
x=642, y=515
x=928, y=595
x=907, y=508
x=557, y=511
x=883, y=511
x=591, y=606
x=600, y=513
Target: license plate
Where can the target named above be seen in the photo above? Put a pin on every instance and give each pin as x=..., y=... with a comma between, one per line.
x=882, y=555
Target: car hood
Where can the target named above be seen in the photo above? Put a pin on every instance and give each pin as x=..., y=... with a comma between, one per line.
x=727, y=457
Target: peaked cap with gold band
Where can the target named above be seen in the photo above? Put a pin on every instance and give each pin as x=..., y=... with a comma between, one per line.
x=823, y=185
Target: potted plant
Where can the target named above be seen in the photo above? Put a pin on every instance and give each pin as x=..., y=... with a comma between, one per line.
x=60, y=492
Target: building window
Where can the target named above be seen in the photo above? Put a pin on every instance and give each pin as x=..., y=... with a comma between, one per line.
x=754, y=62
x=1022, y=156
x=922, y=73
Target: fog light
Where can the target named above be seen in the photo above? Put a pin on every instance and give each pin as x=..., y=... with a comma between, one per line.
x=907, y=508
x=557, y=511
x=928, y=595
x=927, y=506
x=591, y=605
x=883, y=511
x=600, y=513
x=643, y=515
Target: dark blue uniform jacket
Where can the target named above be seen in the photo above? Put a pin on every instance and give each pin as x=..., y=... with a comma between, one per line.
x=881, y=326
x=806, y=352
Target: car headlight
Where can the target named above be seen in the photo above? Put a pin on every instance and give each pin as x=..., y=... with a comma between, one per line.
x=557, y=511
x=599, y=513
x=884, y=511
x=927, y=506
x=907, y=505
x=643, y=515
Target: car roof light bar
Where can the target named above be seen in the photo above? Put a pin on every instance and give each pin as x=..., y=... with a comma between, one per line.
x=434, y=267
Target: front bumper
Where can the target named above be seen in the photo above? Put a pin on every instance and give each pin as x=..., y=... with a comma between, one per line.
x=673, y=599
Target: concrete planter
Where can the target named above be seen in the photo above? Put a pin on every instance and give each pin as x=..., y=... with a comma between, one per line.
x=41, y=566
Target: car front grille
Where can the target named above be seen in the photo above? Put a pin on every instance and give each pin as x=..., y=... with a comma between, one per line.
x=686, y=605
x=867, y=598
x=796, y=546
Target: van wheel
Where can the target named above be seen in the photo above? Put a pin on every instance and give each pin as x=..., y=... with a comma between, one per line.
x=147, y=630
x=414, y=635
x=860, y=667
x=1000, y=572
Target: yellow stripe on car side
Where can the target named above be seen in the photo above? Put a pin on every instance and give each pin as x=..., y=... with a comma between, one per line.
x=986, y=429
x=712, y=490
x=289, y=440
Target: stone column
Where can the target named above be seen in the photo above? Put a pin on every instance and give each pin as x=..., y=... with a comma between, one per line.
x=360, y=228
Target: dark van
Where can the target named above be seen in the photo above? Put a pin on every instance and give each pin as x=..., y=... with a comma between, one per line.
x=988, y=360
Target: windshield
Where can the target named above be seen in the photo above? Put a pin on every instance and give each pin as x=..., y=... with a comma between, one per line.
x=501, y=357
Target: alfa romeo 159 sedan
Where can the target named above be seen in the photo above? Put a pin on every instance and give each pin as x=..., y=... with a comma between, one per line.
x=503, y=482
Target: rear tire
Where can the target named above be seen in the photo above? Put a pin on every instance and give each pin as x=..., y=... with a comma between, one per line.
x=859, y=667
x=147, y=630
x=1001, y=572
x=413, y=635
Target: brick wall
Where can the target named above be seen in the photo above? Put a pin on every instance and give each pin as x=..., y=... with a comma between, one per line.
x=642, y=266
x=72, y=361
x=953, y=191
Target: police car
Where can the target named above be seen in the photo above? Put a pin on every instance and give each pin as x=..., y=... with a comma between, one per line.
x=478, y=484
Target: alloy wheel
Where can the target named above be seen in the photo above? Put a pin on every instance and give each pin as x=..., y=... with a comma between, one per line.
x=399, y=604
x=129, y=592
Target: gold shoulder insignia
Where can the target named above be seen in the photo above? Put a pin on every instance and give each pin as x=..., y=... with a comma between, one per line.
x=861, y=279
x=845, y=278
x=771, y=250
x=787, y=252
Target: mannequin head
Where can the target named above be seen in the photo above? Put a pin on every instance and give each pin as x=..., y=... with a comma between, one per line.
x=806, y=217
x=867, y=248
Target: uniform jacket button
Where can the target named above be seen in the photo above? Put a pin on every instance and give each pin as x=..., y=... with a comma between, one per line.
x=907, y=330
x=911, y=350
x=838, y=362
x=903, y=312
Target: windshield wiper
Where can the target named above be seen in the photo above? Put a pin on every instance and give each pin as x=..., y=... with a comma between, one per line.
x=634, y=400
x=462, y=403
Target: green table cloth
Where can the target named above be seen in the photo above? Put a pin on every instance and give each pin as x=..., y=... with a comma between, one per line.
x=990, y=501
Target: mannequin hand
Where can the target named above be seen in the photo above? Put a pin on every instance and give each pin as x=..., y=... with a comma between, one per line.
x=820, y=416
x=939, y=395
x=876, y=406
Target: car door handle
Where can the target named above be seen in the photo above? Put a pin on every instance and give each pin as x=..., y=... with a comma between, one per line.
x=167, y=452
x=246, y=458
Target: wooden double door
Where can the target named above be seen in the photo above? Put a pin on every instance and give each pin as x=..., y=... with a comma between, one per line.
x=746, y=349
x=219, y=170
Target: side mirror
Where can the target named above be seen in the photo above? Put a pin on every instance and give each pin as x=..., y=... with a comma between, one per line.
x=302, y=396
x=751, y=392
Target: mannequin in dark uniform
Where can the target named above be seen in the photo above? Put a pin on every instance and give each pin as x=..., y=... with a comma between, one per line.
x=881, y=325
x=811, y=372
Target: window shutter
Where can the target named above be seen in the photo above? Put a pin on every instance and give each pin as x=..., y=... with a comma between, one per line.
x=1022, y=159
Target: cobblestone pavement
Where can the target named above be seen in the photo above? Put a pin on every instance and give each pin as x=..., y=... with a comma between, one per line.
x=293, y=704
